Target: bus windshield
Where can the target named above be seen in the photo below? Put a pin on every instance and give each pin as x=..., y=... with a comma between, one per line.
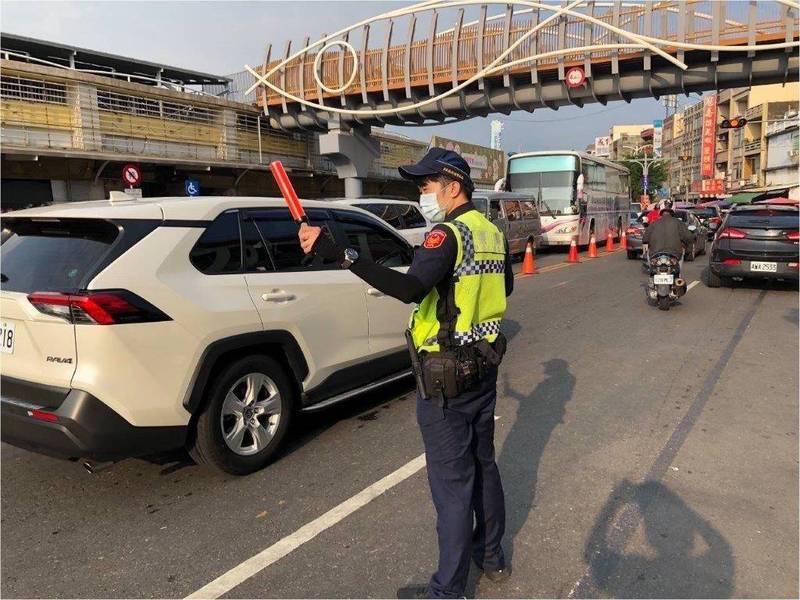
x=550, y=178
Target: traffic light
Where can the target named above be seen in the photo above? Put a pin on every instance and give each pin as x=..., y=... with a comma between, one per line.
x=734, y=123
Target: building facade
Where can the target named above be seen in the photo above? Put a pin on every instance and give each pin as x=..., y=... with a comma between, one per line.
x=740, y=156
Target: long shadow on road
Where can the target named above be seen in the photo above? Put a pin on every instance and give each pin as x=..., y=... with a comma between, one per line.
x=686, y=557
x=538, y=415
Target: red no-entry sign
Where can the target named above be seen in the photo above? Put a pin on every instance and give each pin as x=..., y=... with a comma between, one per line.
x=131, y=174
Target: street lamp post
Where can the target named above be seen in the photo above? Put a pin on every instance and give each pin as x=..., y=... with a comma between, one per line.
x=646, y=162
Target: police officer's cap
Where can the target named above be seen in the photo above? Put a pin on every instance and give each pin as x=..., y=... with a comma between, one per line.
x=439, y=161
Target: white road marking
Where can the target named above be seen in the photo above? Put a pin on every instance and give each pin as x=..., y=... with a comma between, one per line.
x=238, y=574
x=691, y=285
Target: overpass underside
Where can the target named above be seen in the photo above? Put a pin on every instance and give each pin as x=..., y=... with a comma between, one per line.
x=519, y=58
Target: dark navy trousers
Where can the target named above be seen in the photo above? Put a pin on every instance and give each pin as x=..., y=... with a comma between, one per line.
x=465, y=485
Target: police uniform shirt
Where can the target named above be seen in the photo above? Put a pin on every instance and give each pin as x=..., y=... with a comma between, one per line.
x=434, y=261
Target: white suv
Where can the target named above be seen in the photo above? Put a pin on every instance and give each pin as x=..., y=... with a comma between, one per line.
x=134, y=326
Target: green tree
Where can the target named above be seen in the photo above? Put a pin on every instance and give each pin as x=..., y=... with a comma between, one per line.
x=658, y=175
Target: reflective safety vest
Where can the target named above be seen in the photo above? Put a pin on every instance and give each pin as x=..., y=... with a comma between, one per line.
x=476, y=300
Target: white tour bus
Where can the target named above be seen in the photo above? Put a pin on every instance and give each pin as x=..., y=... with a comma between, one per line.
x=577, y=194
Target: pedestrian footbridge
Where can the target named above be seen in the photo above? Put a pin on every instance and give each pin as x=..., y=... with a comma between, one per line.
x=444, y=60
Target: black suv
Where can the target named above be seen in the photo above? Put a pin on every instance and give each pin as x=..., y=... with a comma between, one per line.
x=755, y=242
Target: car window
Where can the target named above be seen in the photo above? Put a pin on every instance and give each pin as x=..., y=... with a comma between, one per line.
x=219, y=249
x=768, y=219
x=52, y=256
x=277, y=247
x=388, y=212
x=373, y=241
x=528, y=209
x=494, y=210
x=256, y=254
x=412, y=218
x=513, y=211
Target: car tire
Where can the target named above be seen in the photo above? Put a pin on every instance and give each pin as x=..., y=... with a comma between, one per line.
x=632, y=254
x=690, y=254
x=253, y=436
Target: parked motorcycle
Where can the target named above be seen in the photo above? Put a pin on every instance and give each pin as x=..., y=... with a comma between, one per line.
x=665, y=285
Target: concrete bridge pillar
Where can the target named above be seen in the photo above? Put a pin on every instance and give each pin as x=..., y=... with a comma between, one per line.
x=351, y=150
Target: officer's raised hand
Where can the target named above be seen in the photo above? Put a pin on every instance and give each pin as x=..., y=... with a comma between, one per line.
x=308, y=236
x=314, y=239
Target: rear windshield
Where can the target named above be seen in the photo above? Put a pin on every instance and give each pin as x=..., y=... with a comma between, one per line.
x=704, y=213
x=53, y=255
x=768, y=219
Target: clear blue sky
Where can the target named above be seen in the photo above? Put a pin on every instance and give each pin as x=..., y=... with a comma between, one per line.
x=221, y=37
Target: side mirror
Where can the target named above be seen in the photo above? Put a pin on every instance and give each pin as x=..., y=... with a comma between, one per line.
x=500, y=185
x=692, y=228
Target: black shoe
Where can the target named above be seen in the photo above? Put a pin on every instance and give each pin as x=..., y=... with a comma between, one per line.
x=413, y=591
x=499, y=576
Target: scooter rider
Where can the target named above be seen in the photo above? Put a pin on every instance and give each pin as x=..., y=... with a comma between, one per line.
x=666, y=234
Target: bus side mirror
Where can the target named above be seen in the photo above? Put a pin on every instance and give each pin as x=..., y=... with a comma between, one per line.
x=500, y=185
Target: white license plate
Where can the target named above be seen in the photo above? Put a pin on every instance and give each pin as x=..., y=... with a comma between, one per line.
x=662, y=278
x=7, y=335
x=764, y=267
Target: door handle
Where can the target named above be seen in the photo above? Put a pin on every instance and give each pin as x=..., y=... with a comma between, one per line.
x=374, y=292
x=277, y=296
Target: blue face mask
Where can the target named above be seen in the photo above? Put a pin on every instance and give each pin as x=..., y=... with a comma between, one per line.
x=429, y=206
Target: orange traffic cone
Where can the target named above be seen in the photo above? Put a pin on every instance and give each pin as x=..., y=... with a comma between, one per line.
x=623, y=240
x=573, y=252
x=529, y=263
x=593, y=247
x=610, y=241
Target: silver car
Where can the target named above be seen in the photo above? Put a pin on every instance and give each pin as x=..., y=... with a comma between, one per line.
x=515, y=214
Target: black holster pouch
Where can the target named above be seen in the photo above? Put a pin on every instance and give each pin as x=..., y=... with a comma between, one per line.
x=455, y=370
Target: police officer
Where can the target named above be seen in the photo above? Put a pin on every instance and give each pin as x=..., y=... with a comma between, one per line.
x=459, y=279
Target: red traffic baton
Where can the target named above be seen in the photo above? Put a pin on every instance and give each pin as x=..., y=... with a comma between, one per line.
x=288, y=193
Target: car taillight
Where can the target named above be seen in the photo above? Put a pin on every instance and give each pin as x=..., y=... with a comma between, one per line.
x=41, y=415
x=792, y=265
x=633, y=231
x=112, y=307
x=716, y=220
x=732, y=261
x=793, y=235
x=731, y=233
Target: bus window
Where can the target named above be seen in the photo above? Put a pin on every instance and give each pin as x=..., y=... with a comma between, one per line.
x=480, y=204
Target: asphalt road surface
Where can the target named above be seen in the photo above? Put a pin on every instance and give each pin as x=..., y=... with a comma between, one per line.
x=643, y=453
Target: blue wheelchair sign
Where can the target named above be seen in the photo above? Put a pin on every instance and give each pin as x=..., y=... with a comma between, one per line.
x=192, y=187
